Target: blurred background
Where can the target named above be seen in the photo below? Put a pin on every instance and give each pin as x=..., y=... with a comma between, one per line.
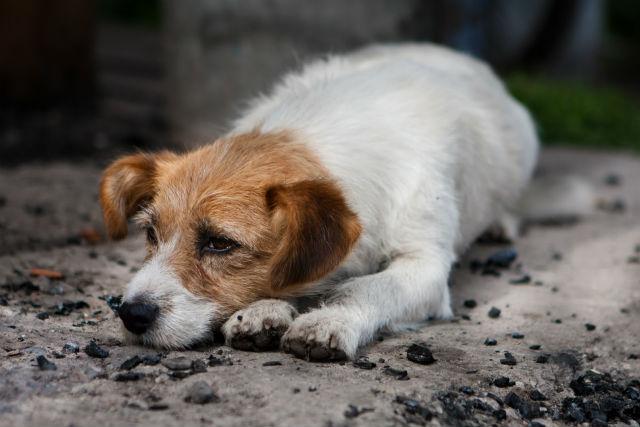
x=88, y=80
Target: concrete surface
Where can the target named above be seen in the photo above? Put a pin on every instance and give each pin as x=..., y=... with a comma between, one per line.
x=583, y=273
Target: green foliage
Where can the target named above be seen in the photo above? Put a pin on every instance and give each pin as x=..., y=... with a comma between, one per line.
x=576, y=114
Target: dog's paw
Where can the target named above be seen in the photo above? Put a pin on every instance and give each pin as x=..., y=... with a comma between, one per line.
x=321, y=335
x=260, y=326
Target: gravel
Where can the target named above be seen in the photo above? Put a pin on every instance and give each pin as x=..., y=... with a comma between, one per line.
x=45, y=364
x=94, y=350
x=200, y=393
x=420, y=353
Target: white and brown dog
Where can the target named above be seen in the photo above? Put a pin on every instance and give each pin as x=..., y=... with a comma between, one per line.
x=358, y=180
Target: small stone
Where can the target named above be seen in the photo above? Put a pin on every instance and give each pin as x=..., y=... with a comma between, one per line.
x=509, y=359
x=128, y=376
x=470, y=303
x=420, y=353
x=353, y=411
x=502, y=259
x=94, y=350
x=590, y=326
x=151, y=359
x=500, y=414
x=467, y=390
x=536, y=395
x=490, y=341
x=45, y=364
x=272, y=363
x=612, y=180
x=71, y=347
x=558, y=321
x=503, y=382
x=131, y=363
x=399, y=374
x=200, y=393
x=42, y=315
x=364, y=363
x=177, y=363
x=535, y=347
x=219, y=361
x=517, y=335
x=523, y=280
x=179, y=375
x=494, y=313
x=198, y=366
x=543, y=358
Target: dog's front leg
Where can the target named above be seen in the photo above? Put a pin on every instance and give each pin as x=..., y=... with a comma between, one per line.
x=413, y=287
x=260, y=326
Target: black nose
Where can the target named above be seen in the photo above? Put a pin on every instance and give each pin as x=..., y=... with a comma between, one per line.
x=138, y=316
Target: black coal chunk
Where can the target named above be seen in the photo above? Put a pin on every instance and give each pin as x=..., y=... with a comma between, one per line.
x=543, y=358
x=494, y=313
x=414, y=409
x=199, y=366
x=364, y=363
x=535, y=347
x=490, y=341
x=470, y=303
x=508, y=359
x=353, y=411
x=272, y=363
x=201, y=393
x=502, y=259
x=45, y=364
x=503, y=382
x=420, y=353
x=537, y=396
x=131, y=363
x=151, y=359
x=94, y=350
x=42, y=315
x=517, y=335
x=522, y=280
x=526, y=409
x=399, y=374
x=128, y=376
x=590, y=326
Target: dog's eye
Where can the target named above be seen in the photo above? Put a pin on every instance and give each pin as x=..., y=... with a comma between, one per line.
x=152, y=238
x=217, y=245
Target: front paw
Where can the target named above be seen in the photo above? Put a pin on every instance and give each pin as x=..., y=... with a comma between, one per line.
x=321, y=335
x=260, y=326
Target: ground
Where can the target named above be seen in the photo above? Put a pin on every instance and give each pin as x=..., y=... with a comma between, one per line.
x=583, y=273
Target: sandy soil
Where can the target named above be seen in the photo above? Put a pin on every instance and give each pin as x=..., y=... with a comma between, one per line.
x=584, y=273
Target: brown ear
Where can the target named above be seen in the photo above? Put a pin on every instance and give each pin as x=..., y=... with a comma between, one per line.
x=316, y=229
x=126, y=184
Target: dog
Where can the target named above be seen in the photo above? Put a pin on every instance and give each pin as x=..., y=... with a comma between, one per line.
x=356, y=183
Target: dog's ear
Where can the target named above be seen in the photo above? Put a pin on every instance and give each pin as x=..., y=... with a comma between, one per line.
x=315, y=230
x=126, y=184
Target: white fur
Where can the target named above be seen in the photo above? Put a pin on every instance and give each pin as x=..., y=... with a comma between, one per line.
x=429, y=149
x=184, y=317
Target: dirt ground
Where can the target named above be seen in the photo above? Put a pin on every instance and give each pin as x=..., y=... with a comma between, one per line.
x=584, y=273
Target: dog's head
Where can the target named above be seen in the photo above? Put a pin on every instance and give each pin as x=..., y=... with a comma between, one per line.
x=242, y=219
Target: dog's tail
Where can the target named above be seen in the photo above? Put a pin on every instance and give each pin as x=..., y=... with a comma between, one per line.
x=557, y=200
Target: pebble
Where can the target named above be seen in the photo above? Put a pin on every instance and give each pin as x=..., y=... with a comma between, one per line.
x=521, y=280
x=200, y=393
x=420, y=353
x=490, y=341
x=131, y=363
x=151, y=359
x=590, y=326
x=494, y=313
x=536, y=395
x=543, y=358
x=198, y=366
x=353, y=411
x=503, y=382
x=94, y=350
x=364, y=363
x=470, y=303
x=399, y=374
x=42, y=315
x=177, y=363
x=517, y=335
x=128, y=376
x=535, y=347
x=509, y=359
x=45, y=364
x=272, y=363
